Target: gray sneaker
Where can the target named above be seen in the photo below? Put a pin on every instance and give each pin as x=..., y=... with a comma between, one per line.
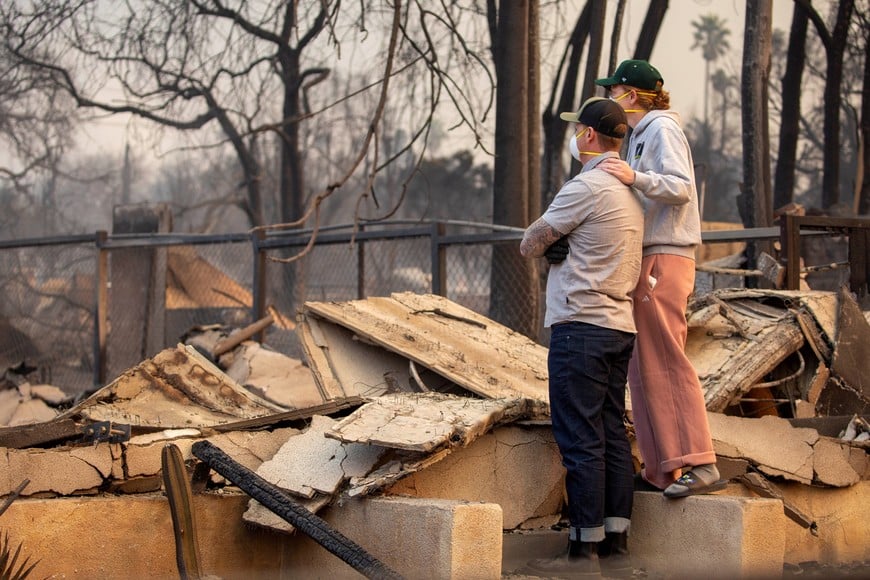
x=690, y=484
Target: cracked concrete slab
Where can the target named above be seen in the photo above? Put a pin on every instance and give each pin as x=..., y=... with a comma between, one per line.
x=831, y=463
x=251, y=448
x=62, y=471
x=142, y=454
x=311, y=463
x=791, y=456
x=777, y=448
x=311, y=467
x=84, y=469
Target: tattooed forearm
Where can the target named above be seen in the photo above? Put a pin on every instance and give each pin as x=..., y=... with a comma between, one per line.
x=538, y=238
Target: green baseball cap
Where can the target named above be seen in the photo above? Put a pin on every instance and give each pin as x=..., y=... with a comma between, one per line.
x=601, y=114
x=634, y=73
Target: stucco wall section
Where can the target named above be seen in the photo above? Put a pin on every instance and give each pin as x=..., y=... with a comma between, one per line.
x=518, y=468
x=122, y=537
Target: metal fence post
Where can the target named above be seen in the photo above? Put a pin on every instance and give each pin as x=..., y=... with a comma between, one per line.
x=101, y=307
x=258, y=284
x=439, y=260
x=361, y=267
x=792, y=244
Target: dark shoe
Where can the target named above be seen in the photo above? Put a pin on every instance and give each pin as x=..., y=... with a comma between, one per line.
x=613, y=556
x=640, y=484
x=688, y=484
x=579, y=561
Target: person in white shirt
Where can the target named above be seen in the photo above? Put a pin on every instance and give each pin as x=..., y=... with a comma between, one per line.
x=598, y=222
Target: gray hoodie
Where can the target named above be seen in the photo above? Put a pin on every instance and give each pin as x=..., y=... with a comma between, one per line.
x=659, y=153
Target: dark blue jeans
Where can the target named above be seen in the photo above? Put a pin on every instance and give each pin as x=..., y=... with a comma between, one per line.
x=588, y=365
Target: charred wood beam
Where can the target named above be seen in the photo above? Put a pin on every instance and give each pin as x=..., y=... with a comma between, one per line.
x=763, y=487
x=280, y=503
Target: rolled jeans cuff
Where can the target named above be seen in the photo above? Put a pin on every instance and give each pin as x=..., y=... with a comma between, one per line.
x=595, y=534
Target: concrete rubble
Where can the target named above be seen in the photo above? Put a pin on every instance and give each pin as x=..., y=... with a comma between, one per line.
x=412, y=404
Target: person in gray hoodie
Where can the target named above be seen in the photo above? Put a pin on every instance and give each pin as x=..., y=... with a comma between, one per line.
x=667, y=402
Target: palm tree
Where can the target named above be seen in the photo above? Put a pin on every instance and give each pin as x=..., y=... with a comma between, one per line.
x=711, y=36
x=722, y=82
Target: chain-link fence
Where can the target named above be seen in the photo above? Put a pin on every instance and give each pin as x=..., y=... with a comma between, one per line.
x=47, y=311
x=453, y=260
x=78, y=311
x=83, y=309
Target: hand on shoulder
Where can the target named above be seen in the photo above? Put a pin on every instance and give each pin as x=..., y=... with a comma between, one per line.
x=619, y=169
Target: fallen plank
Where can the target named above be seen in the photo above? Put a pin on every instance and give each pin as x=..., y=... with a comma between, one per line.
x=177, y=388
x=427, y=421
x=178, y=492
x=51, y=432
x=327, y=408
x=730, y=367
x=238, y=337
x=760, y=485
x=458, y=344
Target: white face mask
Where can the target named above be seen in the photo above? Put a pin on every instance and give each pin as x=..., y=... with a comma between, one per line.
x=572, y=144
x=572, y=147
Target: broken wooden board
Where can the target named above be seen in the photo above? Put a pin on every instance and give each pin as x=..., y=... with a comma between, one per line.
x=431, y=331
x=41, y=434
x=734, y=342
x=341, y=364
x=851, y=354
x=274, y=376
x=294, y=416
x=426, y=422
x=177, y=388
